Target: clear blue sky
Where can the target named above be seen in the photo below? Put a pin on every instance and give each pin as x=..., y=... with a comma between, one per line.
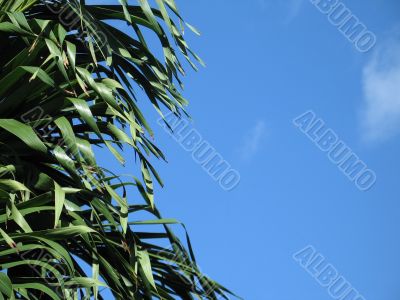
x=269, y=61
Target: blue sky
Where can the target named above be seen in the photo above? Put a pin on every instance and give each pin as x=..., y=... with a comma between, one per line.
x=269, y=61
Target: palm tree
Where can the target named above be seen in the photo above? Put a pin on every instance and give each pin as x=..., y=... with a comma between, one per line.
x=71, y=78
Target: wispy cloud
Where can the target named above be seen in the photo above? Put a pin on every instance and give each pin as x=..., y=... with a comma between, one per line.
x=291, y=8
x=381, y=88
x=294, y=7
x=253, y=140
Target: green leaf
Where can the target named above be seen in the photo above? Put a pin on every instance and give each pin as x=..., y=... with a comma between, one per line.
x=59, y=196
x=12, y=185
x=193, y=29
x=145, y=267
x=24, y=132
x=19, y=219
x=6, y=286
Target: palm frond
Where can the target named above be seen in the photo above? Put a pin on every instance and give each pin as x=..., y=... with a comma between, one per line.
x=70, y=80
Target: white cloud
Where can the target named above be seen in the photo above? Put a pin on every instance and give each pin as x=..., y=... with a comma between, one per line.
x=252, y=140
x=381, y=88
x=291, y=8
